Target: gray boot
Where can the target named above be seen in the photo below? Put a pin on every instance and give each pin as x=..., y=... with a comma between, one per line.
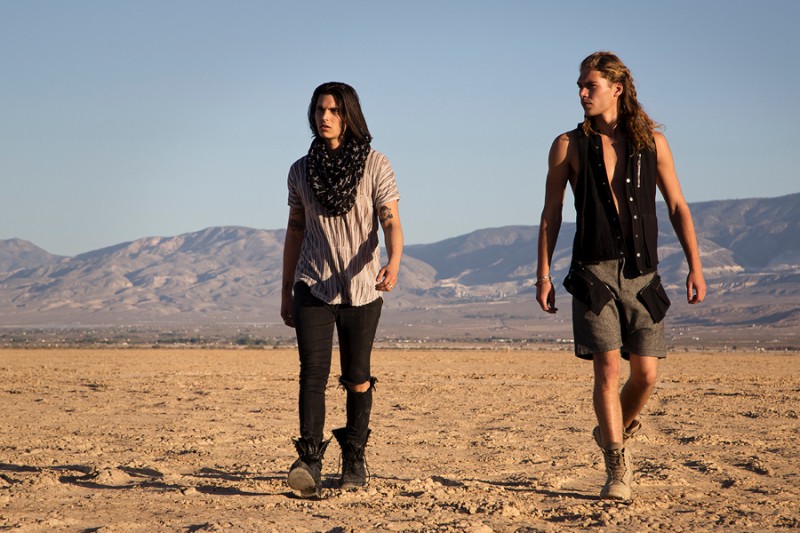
x=619, y=471
x=306, y=472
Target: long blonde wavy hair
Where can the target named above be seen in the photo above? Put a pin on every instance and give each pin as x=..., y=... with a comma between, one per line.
x=638, y=125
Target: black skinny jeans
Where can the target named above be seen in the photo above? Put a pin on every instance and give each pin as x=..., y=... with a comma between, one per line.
x=356, y=327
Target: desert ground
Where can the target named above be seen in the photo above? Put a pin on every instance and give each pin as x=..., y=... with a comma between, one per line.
x=463, y=440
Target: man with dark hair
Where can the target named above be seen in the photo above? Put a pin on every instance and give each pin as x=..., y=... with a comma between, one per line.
x=340, y=193
x=614, y=162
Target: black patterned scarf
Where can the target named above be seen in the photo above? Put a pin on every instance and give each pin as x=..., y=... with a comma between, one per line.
x=334, y=177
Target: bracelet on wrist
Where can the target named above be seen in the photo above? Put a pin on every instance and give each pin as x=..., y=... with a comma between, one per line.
x=541, y=280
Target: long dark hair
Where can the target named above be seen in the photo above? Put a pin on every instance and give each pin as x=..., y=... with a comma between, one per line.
x=354, y=123
x=638, y=125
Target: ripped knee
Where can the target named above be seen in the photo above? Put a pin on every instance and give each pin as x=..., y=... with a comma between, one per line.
x=361, y=387
x=358, y=387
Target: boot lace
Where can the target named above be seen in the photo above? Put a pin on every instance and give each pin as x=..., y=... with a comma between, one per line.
x=615, y=464
x=349, y=467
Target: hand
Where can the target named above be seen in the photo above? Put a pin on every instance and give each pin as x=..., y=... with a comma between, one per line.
x=387, y=278
x=695, y=287
x=287, y=310
x=546, y=296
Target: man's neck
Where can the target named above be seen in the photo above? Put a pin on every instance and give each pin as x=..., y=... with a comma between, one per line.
x=607, y=126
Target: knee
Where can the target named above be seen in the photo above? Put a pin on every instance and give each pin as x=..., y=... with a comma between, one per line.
x=646, y=378
x=358, y=387
x=317, y=374
x=607, y=371
x=361, y=387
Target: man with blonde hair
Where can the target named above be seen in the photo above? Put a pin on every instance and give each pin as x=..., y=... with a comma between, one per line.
x=614, y=161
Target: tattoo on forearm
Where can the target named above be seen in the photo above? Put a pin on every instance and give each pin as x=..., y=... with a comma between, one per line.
x=296, y=225
x=384, y=214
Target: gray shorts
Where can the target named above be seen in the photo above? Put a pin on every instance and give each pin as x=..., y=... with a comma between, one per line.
x=623, y=323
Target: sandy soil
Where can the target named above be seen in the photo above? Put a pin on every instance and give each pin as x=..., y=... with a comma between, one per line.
x=199, y=440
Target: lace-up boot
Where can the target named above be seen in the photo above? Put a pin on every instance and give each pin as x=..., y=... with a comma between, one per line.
x=619, y=472
x=354, y=463
x=306, y=472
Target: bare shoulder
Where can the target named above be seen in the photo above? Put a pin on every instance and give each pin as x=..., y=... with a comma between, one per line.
x=565, y=138
x=661, y=141
x=564, y=149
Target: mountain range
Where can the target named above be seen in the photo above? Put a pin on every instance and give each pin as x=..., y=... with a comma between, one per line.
x=478, y=284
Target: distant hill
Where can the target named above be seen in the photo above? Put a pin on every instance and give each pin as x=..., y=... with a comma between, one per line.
x=219, y=272
x=16, y=254
x=750, y=250
x=762, y=232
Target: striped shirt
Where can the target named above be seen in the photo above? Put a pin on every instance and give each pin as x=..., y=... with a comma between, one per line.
x=340, y=256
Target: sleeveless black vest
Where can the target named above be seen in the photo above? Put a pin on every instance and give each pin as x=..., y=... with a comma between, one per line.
x=598, y=233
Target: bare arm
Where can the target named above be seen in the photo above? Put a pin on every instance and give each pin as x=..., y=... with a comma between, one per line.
x=681, y=219
x=389, y=218
x=295, y=231
x=562, y=163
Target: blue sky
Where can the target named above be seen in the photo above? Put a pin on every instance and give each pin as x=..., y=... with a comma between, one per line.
x=126, y=119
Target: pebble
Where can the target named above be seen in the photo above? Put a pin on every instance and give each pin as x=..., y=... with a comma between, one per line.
x=479, y=528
